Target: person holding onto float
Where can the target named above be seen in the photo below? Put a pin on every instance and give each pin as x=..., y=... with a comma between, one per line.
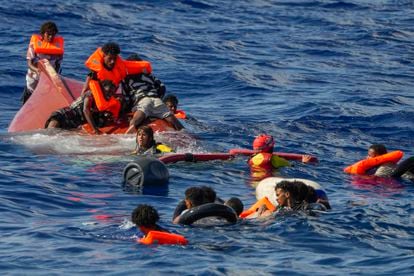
x=382, y=163
x=172, y=103
x=46, y=45
x=97, y=107
x=199, y=204
x=143, y=92
x=146, y=217
x=263, y=161
x=145, y=143
x=105, y=64
x=290, y=196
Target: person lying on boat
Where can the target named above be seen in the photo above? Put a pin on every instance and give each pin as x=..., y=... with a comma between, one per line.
x=263, y=161
x=146, y=218
x=105, y=64
x=291, y=196
x=143, y=92
x=98, y=107
x=382, y=163
x=145, y=143
x=46, y=45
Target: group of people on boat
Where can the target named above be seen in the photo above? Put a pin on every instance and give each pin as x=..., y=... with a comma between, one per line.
x=141, y=94
x=144, y=96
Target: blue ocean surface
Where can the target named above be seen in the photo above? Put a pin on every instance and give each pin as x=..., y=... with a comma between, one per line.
x=327, y=78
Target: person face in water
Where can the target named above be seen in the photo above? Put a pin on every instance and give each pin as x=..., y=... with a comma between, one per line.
x=144, y=137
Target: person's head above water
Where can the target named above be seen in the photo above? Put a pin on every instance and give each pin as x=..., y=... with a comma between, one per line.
x=376, y=150
x=263, y=143
x=194, y=196
x=134, y=57
x=209, y=194
x=110, y=51
x=145, y=137
x=171, y=101
x=236, y=204
x=145, y=215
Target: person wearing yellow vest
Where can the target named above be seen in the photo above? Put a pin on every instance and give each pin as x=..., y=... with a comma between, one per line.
x=105, y=64
x=97, y=107
x=263, y=161
x=145, y=143
x=46, y=45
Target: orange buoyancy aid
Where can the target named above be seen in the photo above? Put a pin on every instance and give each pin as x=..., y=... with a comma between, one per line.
x=159, y=237
x=180, y=114
x=264, y=201
x=134, y=67
x=362, y=166
x=96, y=63
x=112, y=105
x=56, y=47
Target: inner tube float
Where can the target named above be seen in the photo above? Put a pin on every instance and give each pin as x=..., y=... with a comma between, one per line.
x=208, y=210
x=361, y=167
x=266, y=188
x=144, y=171
x=162, y=238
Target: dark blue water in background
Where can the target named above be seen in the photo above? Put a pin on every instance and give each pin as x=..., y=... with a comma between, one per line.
x=323, y=77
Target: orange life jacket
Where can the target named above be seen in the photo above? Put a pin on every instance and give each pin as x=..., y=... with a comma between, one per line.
x=95, y=63
x=48, y=48
x=112, y=105
x=180, y=114
x=158, y=237
x=362, y=166
x=264, y=201
x=134, y=67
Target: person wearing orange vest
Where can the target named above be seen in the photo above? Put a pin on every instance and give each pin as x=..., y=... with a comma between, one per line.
x=86, y=110
x=145, y=217
x=105, y=64
x=264, y=161
x=404, y=169
x=143, y=92
x=46, y=45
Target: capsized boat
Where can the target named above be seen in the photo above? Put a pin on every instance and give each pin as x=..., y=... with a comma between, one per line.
x=55, y=91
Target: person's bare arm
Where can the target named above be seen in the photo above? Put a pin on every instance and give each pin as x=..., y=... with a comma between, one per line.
x=88, y=115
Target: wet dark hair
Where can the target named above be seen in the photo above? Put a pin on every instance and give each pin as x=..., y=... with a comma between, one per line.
x=209, y=194
x=49, y=27
x=236, y=204
x=134, y=57
x=171, y=98
x=379, y=149
x=111, y=48
x=195, y=195
x=145, y=215
x=147, y=130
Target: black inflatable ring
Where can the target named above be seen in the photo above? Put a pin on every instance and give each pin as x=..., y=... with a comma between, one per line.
x=208, y=210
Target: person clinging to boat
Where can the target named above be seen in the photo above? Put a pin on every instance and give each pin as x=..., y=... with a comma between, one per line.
x=381, y=163
x=263, y=161
x=105, y=64
x=97, y=107
x=145, y=143
x=172, y=103
x=45, y=45
x=143, y=92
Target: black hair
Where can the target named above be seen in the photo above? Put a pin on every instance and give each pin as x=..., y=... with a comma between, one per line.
x=111, y=48
x=134, y=57
x=209, y=194
x=49, y=27
x=145, y=215
x=171, y=98
x=236, y=204
x=195, y=195
x=107, y=83
x=379, y=149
